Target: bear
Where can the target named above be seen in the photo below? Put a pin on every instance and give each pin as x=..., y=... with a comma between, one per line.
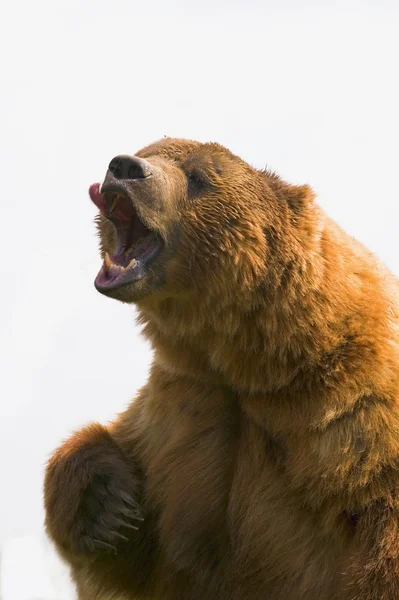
x=261, y=458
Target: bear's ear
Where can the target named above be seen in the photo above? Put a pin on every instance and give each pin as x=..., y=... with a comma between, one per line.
x=299, y=197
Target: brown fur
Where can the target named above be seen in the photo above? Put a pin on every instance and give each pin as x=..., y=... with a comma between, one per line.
x=263, y=451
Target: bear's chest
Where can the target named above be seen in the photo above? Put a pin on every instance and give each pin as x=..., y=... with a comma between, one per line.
x=220, y=491
x=190, y=451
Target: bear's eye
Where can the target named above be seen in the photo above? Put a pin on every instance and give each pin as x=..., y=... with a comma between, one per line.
x=196, y=184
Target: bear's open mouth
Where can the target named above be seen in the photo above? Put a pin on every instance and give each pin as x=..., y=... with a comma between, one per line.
x=136, y=245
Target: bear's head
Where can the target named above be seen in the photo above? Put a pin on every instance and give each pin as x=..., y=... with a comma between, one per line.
x=182, y=219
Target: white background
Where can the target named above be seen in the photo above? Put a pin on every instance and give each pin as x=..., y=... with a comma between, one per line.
x=308, y=88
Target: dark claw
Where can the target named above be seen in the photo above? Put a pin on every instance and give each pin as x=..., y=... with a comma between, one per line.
x=123, y=523
x=136, y=515
x=119, y=537
x=131, y=514
x=104, y=546
x=129, y=501
x=128, y=526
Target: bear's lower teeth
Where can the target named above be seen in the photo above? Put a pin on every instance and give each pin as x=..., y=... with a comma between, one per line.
x=110, y=264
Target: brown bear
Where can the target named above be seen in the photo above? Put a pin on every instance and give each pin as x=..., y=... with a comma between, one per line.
x=261, y=459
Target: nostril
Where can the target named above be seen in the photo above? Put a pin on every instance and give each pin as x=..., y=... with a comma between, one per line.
x=115, y=166
x=135, y=171
x=129, y=167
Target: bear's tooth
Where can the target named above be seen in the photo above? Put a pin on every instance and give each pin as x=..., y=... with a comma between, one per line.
x=108, y=261
x=132, y=263
x=115, y=201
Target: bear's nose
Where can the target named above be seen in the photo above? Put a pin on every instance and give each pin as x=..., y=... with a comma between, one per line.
x=129, y=167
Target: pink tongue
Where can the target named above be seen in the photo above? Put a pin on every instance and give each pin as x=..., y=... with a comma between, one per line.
x=96, y=196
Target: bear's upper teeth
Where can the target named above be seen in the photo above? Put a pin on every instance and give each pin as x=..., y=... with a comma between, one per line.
x=115, y=201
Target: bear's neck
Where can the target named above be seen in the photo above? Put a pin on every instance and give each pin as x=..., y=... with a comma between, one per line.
x=283, y=332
